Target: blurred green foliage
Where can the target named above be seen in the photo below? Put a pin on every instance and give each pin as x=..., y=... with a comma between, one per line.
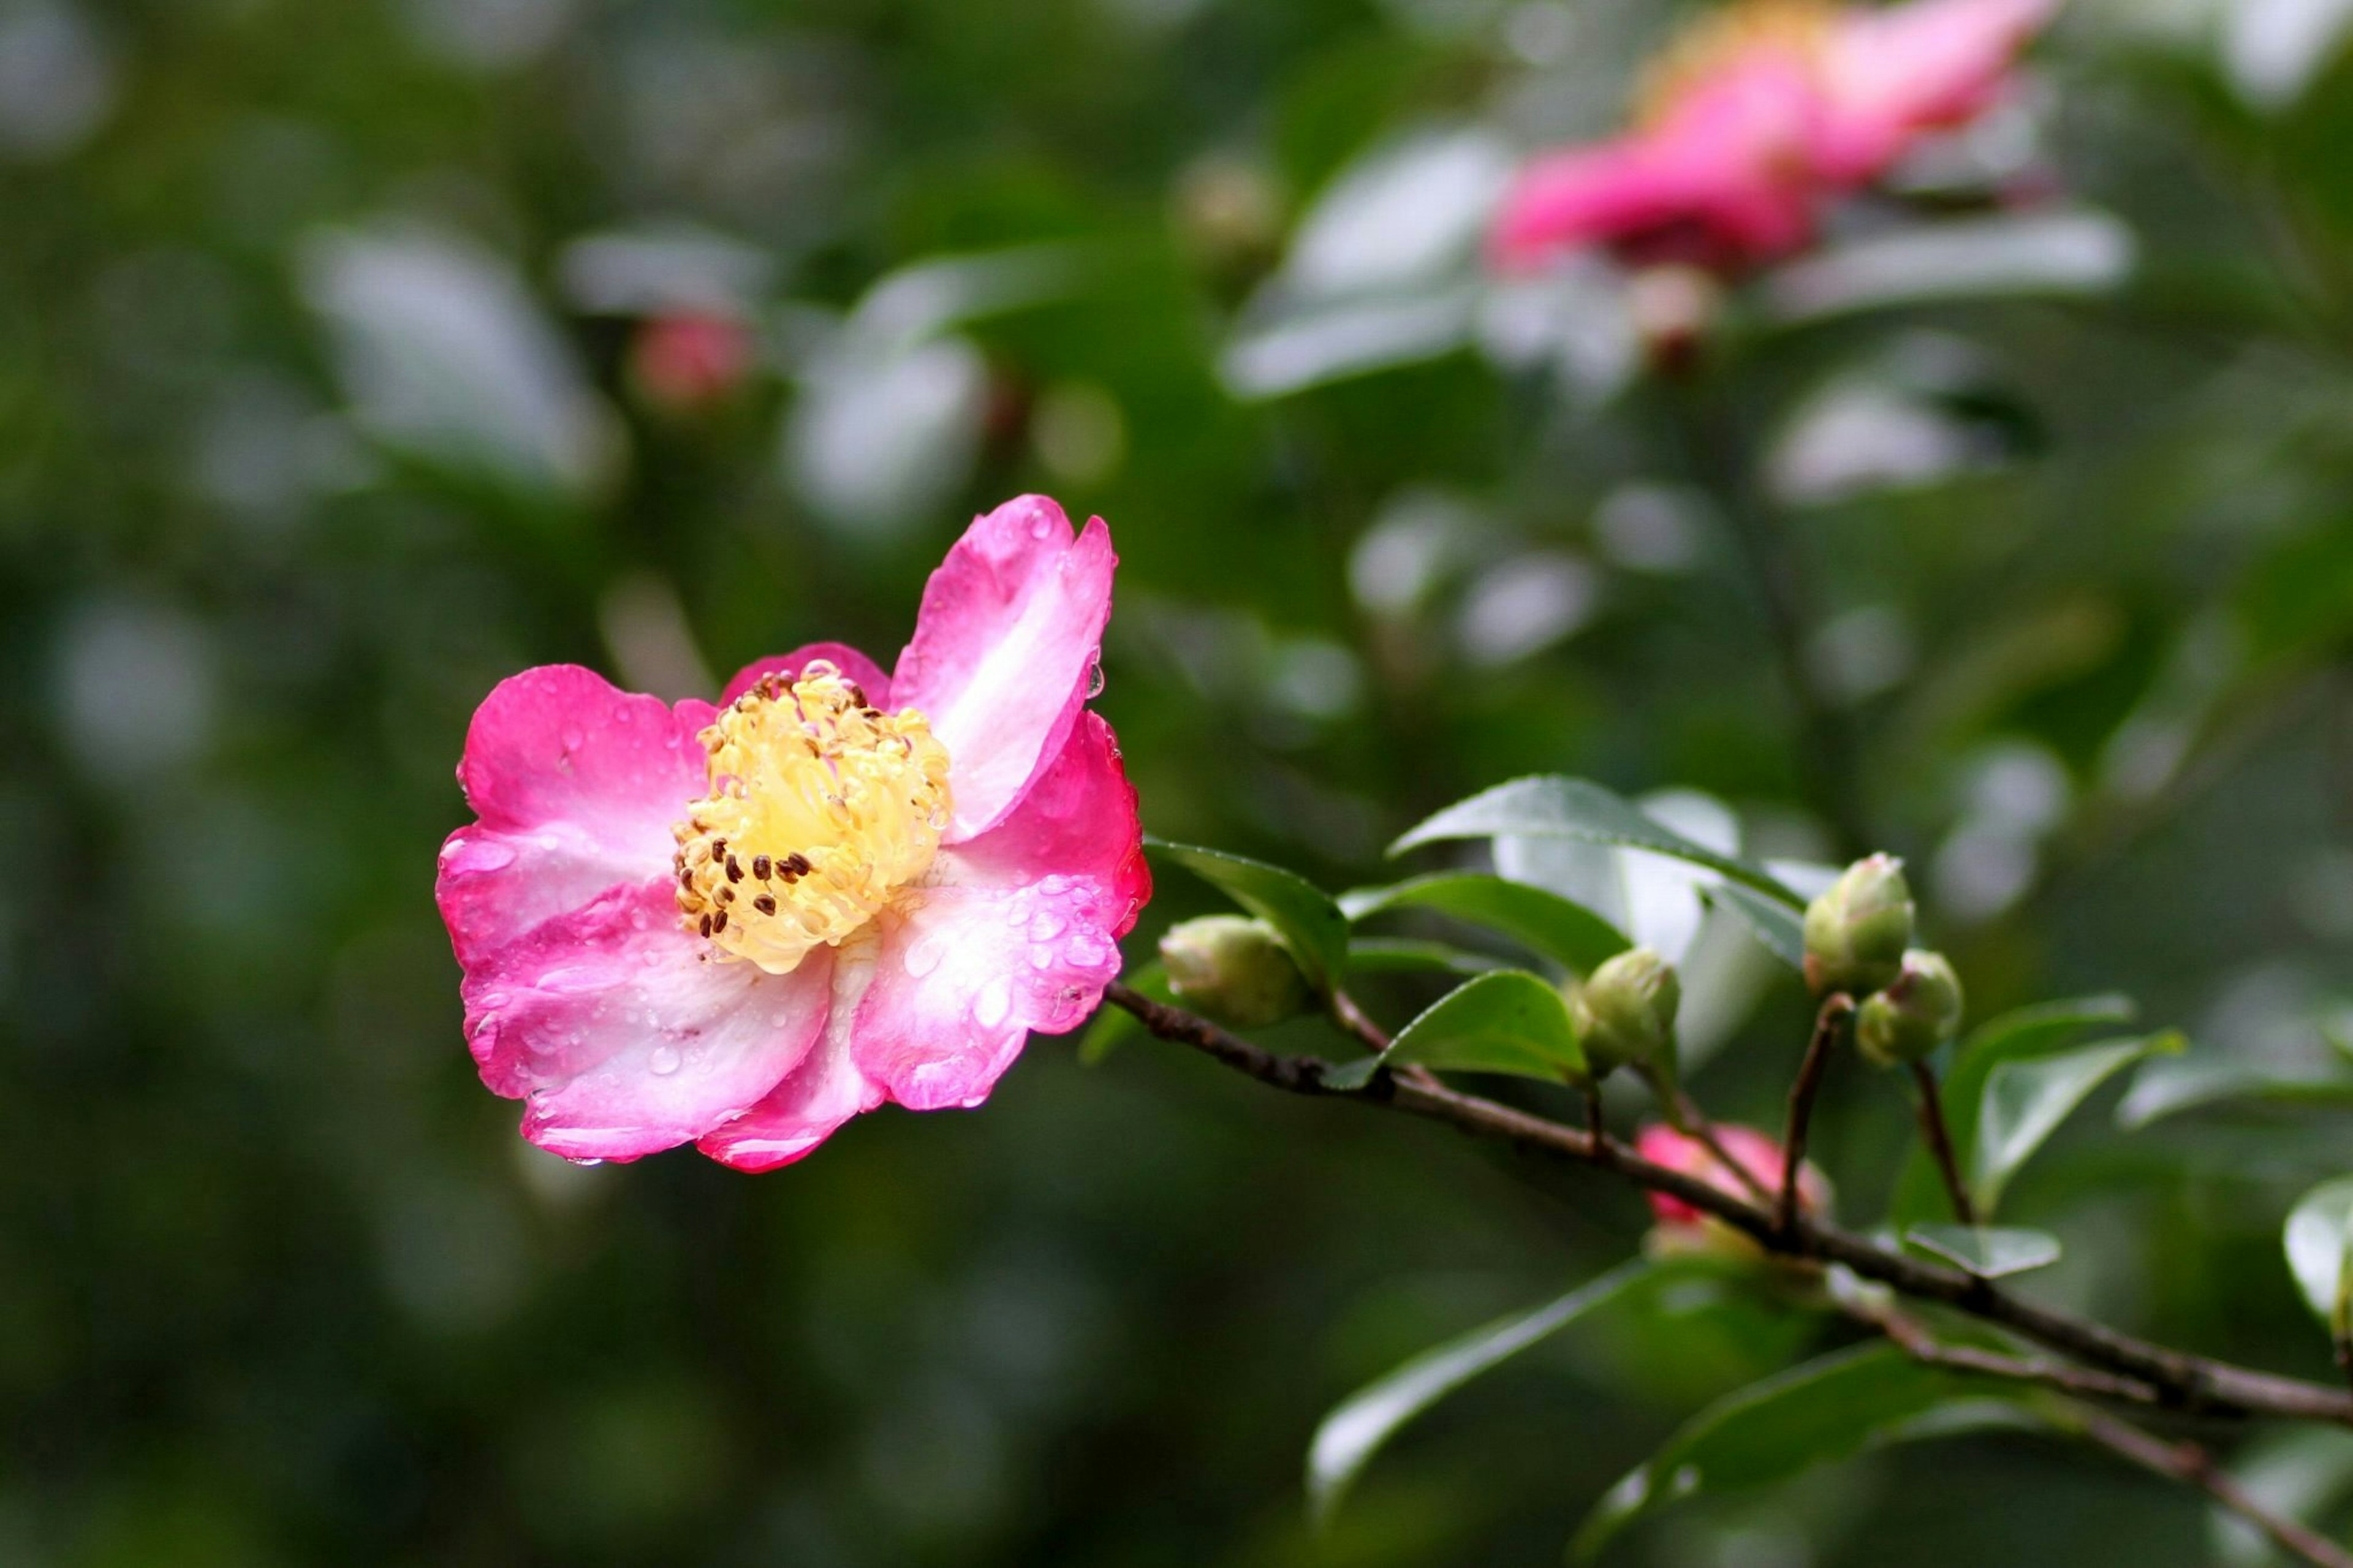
x=325, y=403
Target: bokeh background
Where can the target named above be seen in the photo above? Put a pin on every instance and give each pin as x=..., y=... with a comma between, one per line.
x=354, y=357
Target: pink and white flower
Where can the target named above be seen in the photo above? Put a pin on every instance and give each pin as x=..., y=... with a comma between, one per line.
x=740, y=925
x=1758, y=121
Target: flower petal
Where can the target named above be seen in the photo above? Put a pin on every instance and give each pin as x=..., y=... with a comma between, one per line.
x=1004, y=648
x=1894, y=74
x=577, y=785
x=1017, y=930
x=817, y=1096
x=626, y=1035
x=844, y=657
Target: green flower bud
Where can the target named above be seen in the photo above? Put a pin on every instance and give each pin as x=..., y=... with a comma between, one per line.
x=1626, y=1013
x=1857, y=933
x=1234, y=971
x=1913, y=1016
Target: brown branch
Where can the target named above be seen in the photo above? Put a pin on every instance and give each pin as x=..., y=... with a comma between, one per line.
x=2193, y=1466
x=1940, y=1138
x=1829, y=1024
x=1923, y=1346
x=2191, y=1383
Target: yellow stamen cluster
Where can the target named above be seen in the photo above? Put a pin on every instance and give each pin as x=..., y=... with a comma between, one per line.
x=820, y=807
x=1798, y=28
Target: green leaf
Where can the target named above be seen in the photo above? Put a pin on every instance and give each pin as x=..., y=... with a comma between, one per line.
x=1990, y=1252
x=1309, y=922
x=1831, y=1408
x=1112, y=1025
x=1387, y=956
x=1359, y=1425
x=2025, y=1101
x=1507, y=1022
x=1544, y=923
x=1778, y=928
x=2166, y=1088
x=2015, y=1035
x=1547, y=806
x=2315, y=1238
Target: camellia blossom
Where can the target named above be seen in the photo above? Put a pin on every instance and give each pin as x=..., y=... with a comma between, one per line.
x=738, y=926
x=1683, y=1228
x=1760, y=117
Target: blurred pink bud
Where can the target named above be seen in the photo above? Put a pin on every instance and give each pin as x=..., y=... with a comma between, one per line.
x=686, y=363
x=1756, y=120
x=1683, y=1228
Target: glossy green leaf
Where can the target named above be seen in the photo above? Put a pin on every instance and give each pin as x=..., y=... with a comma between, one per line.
x=1403, y=955
x=1544, y=923
x=1547, y=806
x=1357, y=1427
x=1828, y=1409
x=2316, y=1237
x=1777, y=927
x=2167, y=1088
x=1309, y=922
x=1112, y=1025
x=1990, y=1252
x=2017, y=1035
x=2026, y=1101
x=1507, y=1022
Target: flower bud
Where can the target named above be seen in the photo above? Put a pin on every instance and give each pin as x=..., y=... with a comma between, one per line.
x=1857, y=933
x=1914, y=1015
x=1234, y=971
x=1626, y=1013
x=1680, y=1230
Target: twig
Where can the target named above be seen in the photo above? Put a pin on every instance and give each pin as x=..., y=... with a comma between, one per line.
x=1940, y=1138
x=1837, y=1007
x=2192, y=1384
x=1689, y=1118
x=1596, y=1127
x=1353, y=1019
x=1923, y=1346
x=2193, y=1466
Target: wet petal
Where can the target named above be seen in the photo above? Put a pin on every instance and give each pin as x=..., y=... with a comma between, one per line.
x=577, y=785
x=817, y=1096
x=1018, y=932
x=1005, y=650
x=626, y=1035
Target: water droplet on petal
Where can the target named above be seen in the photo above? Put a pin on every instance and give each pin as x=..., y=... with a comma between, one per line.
x=573, y=738
x=924, y=956
x=1048, y=926
x=587, y=1164
x=1095, y=681
x=664, y=1061
x=1054, y=885
x=995, y=1002
x=1041, y=957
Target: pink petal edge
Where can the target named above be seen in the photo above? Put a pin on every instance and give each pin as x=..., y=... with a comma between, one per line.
x=1005, y=650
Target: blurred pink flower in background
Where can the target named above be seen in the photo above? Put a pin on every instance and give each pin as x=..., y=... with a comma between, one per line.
x=1756, y=120
x=1683, y=1228
x=689, y=361
x=741, y=925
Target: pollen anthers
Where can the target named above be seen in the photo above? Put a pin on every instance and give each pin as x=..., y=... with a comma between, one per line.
x=1747, y=28
x=821, y=806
